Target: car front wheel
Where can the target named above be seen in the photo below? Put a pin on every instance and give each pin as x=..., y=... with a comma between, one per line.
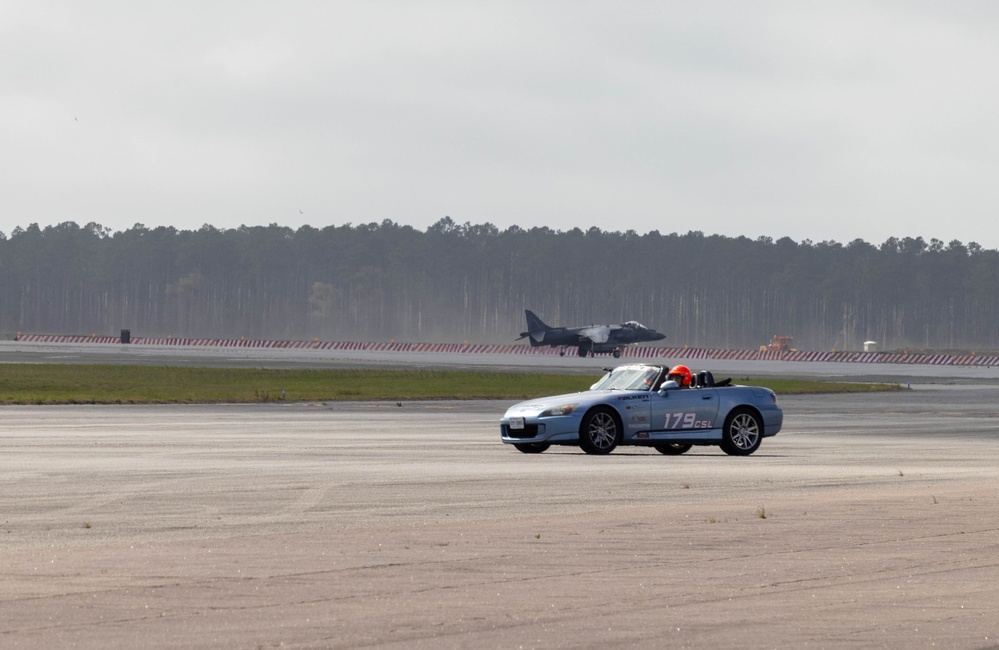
x=742, y=434
x=600, y=432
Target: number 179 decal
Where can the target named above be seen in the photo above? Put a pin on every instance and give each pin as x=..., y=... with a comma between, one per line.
x=686, y=421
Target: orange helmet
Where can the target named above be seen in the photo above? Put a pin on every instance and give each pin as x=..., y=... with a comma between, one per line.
x=682, y=375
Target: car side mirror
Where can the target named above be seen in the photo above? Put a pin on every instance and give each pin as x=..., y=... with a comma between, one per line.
x=668, y=385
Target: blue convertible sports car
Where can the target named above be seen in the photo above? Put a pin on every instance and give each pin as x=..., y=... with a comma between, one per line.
x=647, y=405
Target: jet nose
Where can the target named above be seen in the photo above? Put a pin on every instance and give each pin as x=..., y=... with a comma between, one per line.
x=659, y=336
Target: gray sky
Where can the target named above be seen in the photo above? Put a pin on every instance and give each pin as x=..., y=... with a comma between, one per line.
x=812, y=120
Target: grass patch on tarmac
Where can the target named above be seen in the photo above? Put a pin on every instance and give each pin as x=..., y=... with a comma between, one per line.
x=107, y=384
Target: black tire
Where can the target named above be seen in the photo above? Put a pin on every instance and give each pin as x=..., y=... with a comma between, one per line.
x=743, y=432
x=617, y=354
x=582, y=352
x=532, y=447
x=600, y=431
x=672, y=449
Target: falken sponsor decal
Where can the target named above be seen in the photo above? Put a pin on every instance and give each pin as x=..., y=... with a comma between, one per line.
x=686, y=421
x=631, y=397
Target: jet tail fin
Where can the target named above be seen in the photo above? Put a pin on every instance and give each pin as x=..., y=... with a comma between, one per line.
x=536, y=328
x=534, y=324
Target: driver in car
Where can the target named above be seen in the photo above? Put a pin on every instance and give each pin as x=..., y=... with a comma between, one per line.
x=681, y=375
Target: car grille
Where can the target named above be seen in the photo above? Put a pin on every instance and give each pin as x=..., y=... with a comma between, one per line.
x=529, y=431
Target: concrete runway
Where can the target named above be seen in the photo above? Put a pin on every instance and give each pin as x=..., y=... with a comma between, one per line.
x=869, y=521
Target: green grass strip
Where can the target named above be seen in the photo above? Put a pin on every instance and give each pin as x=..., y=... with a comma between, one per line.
x=107, y=384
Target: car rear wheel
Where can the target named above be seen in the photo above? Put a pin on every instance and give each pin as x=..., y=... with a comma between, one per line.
x=532, y=447
x=672, y=449
x=742, y=434
x=600, y=432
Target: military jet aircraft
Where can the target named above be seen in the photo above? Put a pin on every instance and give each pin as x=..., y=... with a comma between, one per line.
x=589, y=340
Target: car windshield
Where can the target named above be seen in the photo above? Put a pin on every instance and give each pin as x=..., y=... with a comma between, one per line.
x=629, y=378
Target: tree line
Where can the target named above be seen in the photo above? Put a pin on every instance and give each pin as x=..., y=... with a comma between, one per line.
x=456, y=282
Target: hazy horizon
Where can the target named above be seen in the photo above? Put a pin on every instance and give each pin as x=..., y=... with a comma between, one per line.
x=857, y=120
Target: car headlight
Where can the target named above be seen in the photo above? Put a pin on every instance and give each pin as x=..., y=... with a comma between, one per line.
x=564, y=409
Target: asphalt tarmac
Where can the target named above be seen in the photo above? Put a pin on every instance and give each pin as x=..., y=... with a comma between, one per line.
x=869, y=521
x=84, y=353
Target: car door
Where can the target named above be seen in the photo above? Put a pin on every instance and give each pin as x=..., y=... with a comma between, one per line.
x=634, y=410
x=680, y=410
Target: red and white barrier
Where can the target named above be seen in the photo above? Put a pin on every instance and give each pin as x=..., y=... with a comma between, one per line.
x=461, y=348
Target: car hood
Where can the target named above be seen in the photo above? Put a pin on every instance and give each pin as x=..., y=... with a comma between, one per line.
x=584, y=398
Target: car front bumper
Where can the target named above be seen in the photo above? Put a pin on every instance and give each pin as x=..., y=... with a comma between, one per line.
x=553, y=430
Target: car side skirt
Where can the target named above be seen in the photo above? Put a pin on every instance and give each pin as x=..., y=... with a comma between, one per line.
x=687, y=437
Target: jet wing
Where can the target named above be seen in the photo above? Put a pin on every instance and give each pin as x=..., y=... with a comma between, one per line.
x=596, y=333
